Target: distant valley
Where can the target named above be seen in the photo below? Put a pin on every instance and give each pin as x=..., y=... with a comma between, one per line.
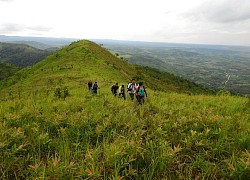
x=218, y=67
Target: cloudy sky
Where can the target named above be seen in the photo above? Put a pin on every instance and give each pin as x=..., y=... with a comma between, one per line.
x=181, y=21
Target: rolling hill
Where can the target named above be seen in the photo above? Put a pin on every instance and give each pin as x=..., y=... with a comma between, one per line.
x=53, y=127
x=34, y=44
x=20, y=54
x=84, y=60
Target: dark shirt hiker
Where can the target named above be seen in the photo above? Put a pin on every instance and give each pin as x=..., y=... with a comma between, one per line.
x=90, y=84
x=94, y=88
x=141, y=93
x=114, y=89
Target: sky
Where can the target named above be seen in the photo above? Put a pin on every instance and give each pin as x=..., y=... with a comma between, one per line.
x=224, y=22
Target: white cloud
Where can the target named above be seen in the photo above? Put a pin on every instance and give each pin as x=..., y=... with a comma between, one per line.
x=223, y=11
x=192, y=21
x=6, y=0
x=10, y=28
x=213, y=22
x=15, y=29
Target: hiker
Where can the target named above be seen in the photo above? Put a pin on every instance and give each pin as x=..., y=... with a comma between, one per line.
x=141, y=93
x=90, y=84
x=122, y=92
x=131, y=89
x=114, y=89
x=94, y=88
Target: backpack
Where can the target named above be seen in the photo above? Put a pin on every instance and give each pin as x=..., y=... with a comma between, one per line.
x=94, y=88
x=141, y=91
x=129, y=87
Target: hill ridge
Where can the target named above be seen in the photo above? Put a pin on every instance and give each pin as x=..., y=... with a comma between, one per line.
x=84, y=60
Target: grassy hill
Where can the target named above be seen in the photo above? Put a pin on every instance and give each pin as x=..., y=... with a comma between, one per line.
x=52, y=127
x=20, y=54
x=7, y=70
x=85, y=60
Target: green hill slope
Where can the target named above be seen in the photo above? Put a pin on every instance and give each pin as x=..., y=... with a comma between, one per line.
x=7, y=70
x=85, y=60
x=20, y=54
x=80, y=135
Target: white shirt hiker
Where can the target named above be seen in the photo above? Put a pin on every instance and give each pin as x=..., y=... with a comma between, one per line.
x=131, y=88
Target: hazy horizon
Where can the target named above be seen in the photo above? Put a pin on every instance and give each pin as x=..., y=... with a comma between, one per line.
x=24, y=38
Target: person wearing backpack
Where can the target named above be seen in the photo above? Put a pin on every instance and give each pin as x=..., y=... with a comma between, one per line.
x=114, y=89
x=94, y=88
x=141, y=93
x=122, y=92
x=131, y=89
x=90, y=84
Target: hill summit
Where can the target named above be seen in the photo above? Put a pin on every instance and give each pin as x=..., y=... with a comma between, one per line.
x=85, y=60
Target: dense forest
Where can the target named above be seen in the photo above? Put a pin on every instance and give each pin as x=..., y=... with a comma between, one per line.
x=21, y=55
x=7, y=70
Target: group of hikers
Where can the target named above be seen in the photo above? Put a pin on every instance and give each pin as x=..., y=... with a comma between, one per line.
x=134, y=90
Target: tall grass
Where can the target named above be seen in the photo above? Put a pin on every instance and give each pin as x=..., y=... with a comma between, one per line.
x=173, y=136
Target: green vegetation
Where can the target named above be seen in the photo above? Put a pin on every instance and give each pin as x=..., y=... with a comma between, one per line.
x=217, y=67
x=7, y=70
x=85, y=60
x=20, y=54
x=52, y=127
